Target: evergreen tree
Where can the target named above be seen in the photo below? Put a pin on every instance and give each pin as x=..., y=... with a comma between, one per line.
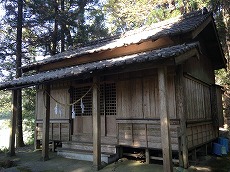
x=19, y=134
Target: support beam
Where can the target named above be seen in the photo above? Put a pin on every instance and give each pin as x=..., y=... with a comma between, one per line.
x=147, y=156
x=46, y=122
x=96, y=125
x=180, y=110
x=163, y=110
x=13, y=123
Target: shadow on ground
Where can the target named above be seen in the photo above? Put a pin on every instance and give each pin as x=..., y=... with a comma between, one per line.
x=30, y=161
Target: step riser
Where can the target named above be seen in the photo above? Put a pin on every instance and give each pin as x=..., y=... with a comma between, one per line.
x=89, y=138
x=87, y=157
x=88, y=148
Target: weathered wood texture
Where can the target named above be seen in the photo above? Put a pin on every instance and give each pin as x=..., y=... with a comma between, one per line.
x=217, y=108
x=164, y=120
x=57, y=130
x=86, y=137
x=45, y=126
x=201, y=68
x=59, y=114
x=198, y=100
x=139, y=98
x=57, y=111
x=145, y=134
x=181, y=112
x=96, y=124
x=84, y=124
x=200, y=133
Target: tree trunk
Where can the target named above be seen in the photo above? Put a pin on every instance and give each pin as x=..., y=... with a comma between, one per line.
x=62, y=26
x=19, y=140
x=55, y=32
x=81, y=34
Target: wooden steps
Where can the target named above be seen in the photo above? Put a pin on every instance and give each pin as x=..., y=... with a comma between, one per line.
x=107, y=148
x=84, y=151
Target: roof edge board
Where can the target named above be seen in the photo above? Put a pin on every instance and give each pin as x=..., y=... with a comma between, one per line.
x=183, y=57
x=219, y=45
x=135, y=48
x=198, y=30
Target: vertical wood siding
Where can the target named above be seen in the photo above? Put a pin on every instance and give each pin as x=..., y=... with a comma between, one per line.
x=138, y=98
x=143, y=134
x=138, y=116
x=198, y=100
x=59, y=123
x=198, y=134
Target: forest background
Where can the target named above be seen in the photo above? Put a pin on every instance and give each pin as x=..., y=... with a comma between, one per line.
x=35, y=29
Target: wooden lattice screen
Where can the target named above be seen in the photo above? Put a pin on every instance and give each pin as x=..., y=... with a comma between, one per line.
x=107, y=100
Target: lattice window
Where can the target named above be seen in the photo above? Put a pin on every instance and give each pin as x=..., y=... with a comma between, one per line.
x=87, y=101
x=107, y=100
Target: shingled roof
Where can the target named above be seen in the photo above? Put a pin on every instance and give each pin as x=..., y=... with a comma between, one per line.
x=150, y=56
x=171, y=27
x=180, y=26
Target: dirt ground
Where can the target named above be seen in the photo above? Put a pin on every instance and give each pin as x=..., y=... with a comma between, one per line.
x=27, y=160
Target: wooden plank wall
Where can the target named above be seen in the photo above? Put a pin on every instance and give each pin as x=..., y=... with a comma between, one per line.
x=60, y=121
x=145, y=134
x=200, y=67
x=138, y=98
x=201, y=133
x=57, y=131
x=138, y=116
x=219, y=93
x=198, y=100
x=62, y=96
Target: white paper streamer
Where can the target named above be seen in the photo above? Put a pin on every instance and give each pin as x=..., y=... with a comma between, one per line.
x=82, y=107
x=56, y=109
x=73, y=112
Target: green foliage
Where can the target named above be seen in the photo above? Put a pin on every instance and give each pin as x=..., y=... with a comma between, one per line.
x=28, y=113
x=137, y=13
x=5, y=104
x=3, y=150
x=223, y=78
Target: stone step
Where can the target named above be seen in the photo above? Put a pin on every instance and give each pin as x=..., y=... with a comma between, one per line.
x=85, y=155
x=88, y=146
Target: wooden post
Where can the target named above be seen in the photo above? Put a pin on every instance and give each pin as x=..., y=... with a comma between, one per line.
x=46, y=121
x=96, y=125
x=180, y=109
x=163, y=110
x=147, y=156
x=13, y=123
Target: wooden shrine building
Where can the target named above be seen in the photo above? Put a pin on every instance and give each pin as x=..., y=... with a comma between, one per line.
x=152, y=88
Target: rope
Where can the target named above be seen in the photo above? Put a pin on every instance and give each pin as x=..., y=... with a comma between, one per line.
x=71, y=104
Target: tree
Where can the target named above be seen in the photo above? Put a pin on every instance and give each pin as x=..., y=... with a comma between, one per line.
x=19, y=134
x=13, y=47
x=68, y=23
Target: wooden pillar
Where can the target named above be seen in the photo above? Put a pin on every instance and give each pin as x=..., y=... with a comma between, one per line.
x=13, y=123
x=180, y=109
x=96, y=125
x=164, y=118
x=147, y=156
x=46, y=121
